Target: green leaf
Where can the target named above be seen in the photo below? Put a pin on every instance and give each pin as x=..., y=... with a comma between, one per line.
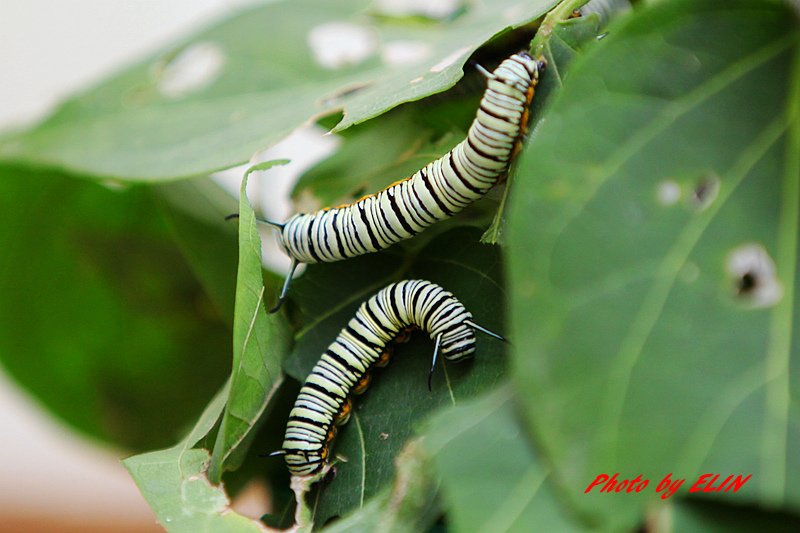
x=383, y=420
x=408, y=505
x=196, y=211
x=491, y=479
x=268, y=84
x=103, y=319
x=453, y=42
x=174, y=483
x=670, y=159
x=260, y=343
x=559, y=48
x=397, y=146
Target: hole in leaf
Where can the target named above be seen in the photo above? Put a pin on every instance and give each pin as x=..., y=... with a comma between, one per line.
x=192, y=69
x=668, y=192
x=341, y=44
x=439, y=10
x=753, y=274
x=405, y=52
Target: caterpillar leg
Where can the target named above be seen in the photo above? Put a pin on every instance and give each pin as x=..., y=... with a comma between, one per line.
x=276, y=453
x=285, y=289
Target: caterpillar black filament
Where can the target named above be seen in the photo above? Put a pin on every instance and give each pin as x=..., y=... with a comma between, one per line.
x=435, y=192
x=344, y=368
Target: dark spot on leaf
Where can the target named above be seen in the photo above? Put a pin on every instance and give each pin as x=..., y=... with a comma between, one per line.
x=345, y=92
x=330, y=475
x=747, y=283
x=705, y=192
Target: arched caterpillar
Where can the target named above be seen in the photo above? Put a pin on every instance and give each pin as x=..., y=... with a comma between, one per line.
x=344, y=368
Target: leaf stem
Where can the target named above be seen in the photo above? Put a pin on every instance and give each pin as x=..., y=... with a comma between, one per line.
x=555, y=16
x=558, y=14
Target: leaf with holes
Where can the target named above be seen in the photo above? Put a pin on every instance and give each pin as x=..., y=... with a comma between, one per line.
x=653, y=257
x=383, y=419
x=218, y=97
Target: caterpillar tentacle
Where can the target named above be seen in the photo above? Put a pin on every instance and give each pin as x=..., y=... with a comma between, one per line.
x=436, y=345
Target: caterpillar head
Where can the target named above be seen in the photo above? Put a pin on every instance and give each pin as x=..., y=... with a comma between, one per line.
x=304, y=462
x=519, y=71
x=458, y=342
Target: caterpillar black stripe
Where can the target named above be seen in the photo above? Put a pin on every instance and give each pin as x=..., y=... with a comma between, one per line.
x=344, y=368
x=435, y=192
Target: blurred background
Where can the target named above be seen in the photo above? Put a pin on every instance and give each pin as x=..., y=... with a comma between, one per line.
x=52, y=479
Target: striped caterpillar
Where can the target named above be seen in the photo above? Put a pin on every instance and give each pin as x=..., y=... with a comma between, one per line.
x=365, y=343
x=435, y=192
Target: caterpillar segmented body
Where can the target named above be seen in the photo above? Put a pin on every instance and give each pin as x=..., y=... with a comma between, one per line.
x=343, y=370
x=433, y=193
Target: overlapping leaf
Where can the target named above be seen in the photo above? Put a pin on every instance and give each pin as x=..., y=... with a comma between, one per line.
x=260, y=343
x=268, y=83
x=652, y=333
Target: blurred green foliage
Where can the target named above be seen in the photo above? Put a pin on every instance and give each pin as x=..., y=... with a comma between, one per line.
x=662, y=146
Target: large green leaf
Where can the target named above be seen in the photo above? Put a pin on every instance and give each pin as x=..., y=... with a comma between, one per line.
x=559, y=47
x=174, y=483
x=490, y=476
x=260, y=343
x=651, y=334
x=196, y=210
x=397, y=145
x=409, y=505
x=268, y=84
x=328, y=296
x=102, y=319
